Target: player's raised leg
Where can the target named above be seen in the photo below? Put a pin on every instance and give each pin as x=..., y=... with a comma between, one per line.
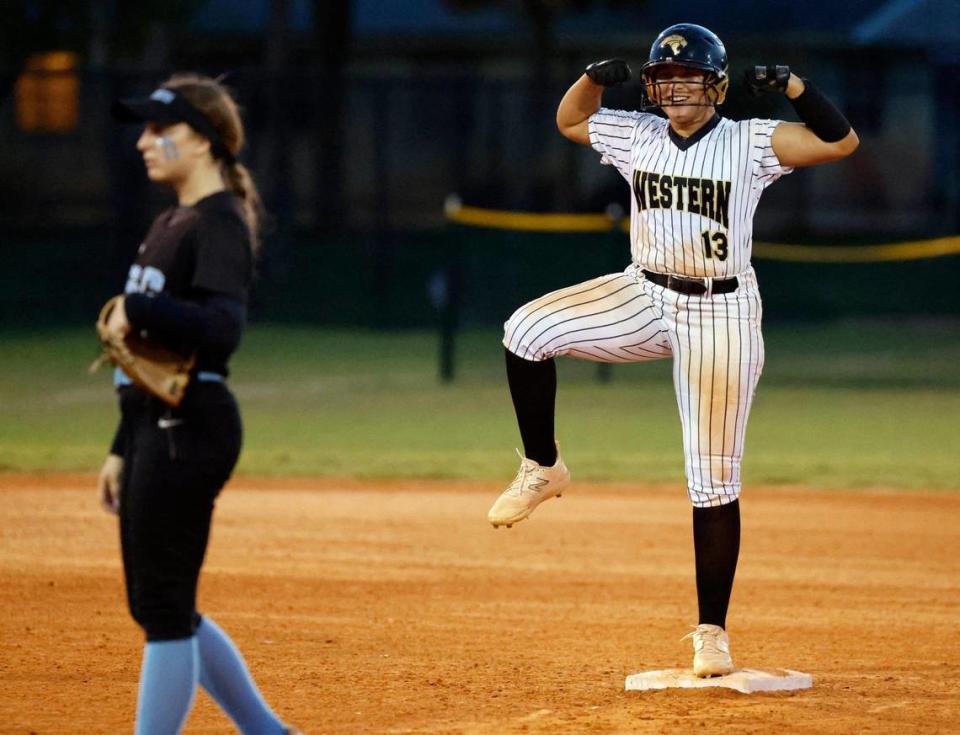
x=607, y=319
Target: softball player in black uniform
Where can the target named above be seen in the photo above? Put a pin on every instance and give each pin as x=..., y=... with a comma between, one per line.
x=187, y=289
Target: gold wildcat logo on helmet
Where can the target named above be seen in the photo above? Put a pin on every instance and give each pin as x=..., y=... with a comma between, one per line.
x=675, y=42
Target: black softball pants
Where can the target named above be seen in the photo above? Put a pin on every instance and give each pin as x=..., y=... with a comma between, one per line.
x=176, y=461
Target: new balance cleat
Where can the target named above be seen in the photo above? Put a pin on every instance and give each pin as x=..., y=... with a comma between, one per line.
x=532, y=485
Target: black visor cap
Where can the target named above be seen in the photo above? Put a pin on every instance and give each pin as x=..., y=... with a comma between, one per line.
x=166, y=107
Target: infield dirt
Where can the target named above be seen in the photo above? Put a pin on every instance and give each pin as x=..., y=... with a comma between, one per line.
x=392, y=607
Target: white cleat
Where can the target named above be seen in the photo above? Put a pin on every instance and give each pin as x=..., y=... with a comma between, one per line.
x=711, y=651
x=532, y=485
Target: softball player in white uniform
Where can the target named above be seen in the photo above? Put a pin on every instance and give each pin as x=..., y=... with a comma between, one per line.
x=690, y=292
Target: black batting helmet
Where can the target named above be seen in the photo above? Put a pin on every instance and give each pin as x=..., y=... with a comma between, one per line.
x=692, y=46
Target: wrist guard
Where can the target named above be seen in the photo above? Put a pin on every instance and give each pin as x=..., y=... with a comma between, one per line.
x=820, y=115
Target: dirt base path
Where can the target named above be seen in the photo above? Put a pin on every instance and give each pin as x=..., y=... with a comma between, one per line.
x=391, y=607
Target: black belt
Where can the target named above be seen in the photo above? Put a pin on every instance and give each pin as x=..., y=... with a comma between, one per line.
x=692, y=286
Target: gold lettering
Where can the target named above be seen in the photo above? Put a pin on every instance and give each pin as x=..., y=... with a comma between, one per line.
x=693, y=196
x=681, y=183
x=723, y=202
x=706, y=200
x=666, y=191
x=639, y=181
x=652, y=190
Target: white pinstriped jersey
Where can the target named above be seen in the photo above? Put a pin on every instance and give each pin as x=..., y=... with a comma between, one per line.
x=692, y=208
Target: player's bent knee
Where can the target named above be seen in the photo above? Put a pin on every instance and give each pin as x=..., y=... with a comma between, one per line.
x=527, y=354
x=517, y=338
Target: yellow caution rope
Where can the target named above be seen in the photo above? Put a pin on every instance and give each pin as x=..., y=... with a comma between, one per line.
x=529, y=222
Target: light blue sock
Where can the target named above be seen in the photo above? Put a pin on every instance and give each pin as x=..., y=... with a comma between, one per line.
x=225, y=676
x=168, y=682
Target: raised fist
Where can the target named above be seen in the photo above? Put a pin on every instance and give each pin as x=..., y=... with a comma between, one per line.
x=608, y=73
x=769, y=78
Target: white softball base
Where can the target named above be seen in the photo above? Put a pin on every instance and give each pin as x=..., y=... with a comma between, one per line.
x=743, y=680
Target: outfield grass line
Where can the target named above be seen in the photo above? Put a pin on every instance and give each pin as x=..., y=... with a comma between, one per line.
x=85, y=482
x=839, y=405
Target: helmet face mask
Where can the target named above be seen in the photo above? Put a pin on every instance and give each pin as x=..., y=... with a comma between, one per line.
x=660, y=92
x=691, y=47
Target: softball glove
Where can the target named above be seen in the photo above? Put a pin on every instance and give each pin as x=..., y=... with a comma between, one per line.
x=159, y=370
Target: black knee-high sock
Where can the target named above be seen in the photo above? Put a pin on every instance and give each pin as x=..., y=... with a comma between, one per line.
x=716, y=543
x=533, y=388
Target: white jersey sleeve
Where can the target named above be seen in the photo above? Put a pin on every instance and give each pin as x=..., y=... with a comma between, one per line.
x=766, y=166
x=612, y=134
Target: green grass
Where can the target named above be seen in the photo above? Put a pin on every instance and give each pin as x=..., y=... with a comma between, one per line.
x=846, y=405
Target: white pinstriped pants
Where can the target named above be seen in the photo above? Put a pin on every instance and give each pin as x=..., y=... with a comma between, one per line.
x=715, y=342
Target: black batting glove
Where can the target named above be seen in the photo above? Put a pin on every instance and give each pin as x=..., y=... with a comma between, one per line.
x=769, y=78
x=608, y=73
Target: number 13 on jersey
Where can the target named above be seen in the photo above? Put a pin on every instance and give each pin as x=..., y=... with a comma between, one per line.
x=714, y=244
